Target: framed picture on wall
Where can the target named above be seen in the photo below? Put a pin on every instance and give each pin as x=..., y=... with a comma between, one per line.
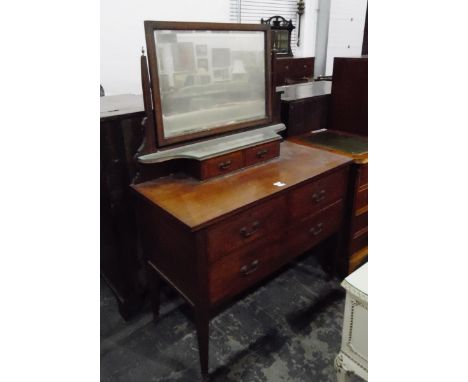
x=201, y=50
x=183, y=58
x=202, y=63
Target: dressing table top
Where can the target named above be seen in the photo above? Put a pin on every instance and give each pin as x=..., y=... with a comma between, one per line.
x=197, y=204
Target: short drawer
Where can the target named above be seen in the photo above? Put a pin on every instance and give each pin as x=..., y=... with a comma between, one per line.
x=363, y=175
x=361, y=199
x=311, y=230
x=360, y=222
x=359, y=241
x=261, y=153
x=246, y=227
x=311, y=198
x=243, y=268
x=222, y=164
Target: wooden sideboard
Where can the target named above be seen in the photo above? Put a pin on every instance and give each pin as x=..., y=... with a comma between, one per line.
x=305, y=107
x=211, y=240
x=293, y=70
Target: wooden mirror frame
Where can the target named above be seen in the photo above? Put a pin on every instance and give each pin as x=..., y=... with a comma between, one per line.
x=151, y=27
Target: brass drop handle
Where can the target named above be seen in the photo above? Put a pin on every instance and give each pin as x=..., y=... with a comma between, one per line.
x=247, y=232
x=317, y=229
x=318, y=196
x=262, y=153
x=225, y=165
x=248, y=269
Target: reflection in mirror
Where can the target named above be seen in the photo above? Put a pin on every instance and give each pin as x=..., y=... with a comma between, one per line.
x=209, y=79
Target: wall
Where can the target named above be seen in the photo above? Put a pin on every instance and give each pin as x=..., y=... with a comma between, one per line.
x=346, y=30
x=308, y=28
x=122, y=34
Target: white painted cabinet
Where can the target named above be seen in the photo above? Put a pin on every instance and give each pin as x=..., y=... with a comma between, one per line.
x=353, y=354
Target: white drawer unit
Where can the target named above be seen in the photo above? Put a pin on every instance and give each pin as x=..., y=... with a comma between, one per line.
x=353, y=354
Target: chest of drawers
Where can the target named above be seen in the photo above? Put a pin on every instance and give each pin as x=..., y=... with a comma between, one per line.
x=354, y=246
x=213, y=240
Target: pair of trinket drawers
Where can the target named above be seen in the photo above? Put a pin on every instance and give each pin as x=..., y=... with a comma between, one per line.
x=214, y=239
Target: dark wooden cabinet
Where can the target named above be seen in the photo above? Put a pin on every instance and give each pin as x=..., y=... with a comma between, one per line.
x=305, y=107
x=304, y=115
x=291, y=70
x=214, y=239
x=121, y=265
x=354, y=245
x=348, y=107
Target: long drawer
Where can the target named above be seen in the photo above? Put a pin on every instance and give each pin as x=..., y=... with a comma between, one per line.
x=311, y=230
x=311, y=198
x=246, y=227
x=241, y=269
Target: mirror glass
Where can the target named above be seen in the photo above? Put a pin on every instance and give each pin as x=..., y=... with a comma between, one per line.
x=210, y=79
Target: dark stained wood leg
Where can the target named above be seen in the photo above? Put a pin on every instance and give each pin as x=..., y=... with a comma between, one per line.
x=154, y=287
x=202, y=322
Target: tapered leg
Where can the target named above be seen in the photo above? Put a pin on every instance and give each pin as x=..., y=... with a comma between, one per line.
x=202, y=322
x=154, y=288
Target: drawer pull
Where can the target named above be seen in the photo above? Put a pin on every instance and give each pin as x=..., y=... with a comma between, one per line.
x=225, y=165
x=318, y=196
x=317, y=229
x=247, y=232
x=248, y=269
x=262, y=153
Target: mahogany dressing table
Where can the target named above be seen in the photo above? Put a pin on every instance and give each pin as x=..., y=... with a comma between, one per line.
x=242, y=203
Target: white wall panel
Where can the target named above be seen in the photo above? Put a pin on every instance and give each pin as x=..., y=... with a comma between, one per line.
x=346, y=28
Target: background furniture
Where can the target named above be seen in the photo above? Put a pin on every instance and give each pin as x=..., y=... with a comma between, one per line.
x=290, y=70
x=354, y=246
x=353, y=354
x=120, y=134
x=213, y=240
x=346, y=134
x=305, y=107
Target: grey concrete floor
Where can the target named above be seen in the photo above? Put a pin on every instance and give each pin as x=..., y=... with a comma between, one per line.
x=288, y=329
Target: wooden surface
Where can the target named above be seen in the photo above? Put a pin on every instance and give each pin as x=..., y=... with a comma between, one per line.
x=197, y=203
x=337, y=142
x=212, y=240
x=305, y=115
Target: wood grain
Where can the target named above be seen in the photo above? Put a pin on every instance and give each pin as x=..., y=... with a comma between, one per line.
x=196, y=203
